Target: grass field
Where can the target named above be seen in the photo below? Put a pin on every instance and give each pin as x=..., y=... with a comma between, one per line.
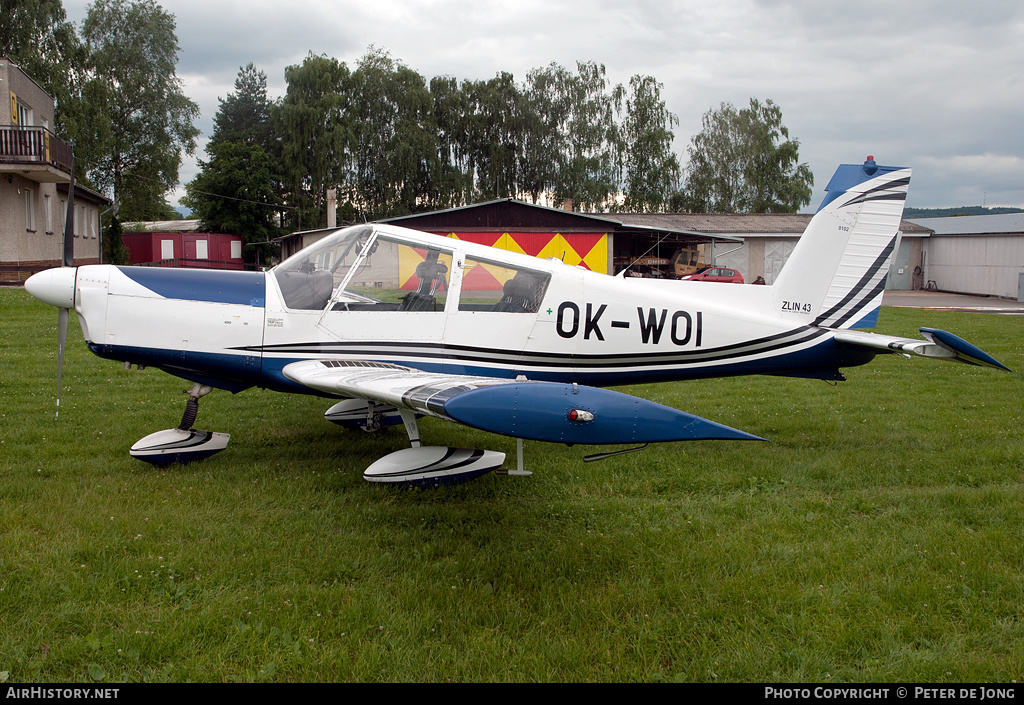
x=878, y=537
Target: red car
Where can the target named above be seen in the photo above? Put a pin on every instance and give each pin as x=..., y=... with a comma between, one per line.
x=716, y=274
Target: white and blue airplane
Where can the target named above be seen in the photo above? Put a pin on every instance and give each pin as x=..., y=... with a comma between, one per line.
x=400, y=324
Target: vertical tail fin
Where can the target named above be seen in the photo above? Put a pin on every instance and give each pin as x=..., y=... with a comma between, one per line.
x=836, y=274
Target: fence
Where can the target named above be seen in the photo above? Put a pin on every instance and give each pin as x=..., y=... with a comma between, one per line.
x=34, y=145
x=198, y=264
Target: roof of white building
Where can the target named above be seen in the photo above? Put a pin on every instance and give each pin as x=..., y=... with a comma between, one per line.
x=161, y=226
x=1004, y=224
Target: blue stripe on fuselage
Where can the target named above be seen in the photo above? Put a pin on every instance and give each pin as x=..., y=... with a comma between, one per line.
x=236, y=372
x=214, y=285
x=820, y=361
x=223, y=371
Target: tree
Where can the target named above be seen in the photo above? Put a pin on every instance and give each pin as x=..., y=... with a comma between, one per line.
x=547, y=106
x=739, y=163
x=572, y=140
x=114, y=249
x=244, y=116
x=36, y=35
x=315, y=122
x=236, y=190
x=453, y=177
x=395, y=150
x=589, y=170
x=143, y=119
x=652, y=169
x=495, y=135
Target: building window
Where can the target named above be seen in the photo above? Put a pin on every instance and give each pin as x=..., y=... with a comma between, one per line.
x=236, y=249
x=93, y=216
x=24, y=115
x=202, y=249
x=21, y=114
x=167, y=249
x=48, y=213
x=30, y=209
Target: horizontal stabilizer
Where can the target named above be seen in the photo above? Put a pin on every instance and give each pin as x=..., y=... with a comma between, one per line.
x=964, y=351
x=939, y=344
x=567, y=413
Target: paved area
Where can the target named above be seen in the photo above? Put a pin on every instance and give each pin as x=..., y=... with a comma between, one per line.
x=953, y=302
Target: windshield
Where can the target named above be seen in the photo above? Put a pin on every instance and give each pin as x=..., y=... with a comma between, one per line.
x=309, y=277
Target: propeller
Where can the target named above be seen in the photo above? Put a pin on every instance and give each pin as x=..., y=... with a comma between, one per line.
x=68, y=261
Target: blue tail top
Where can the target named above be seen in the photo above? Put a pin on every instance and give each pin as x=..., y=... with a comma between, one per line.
x=849, y=175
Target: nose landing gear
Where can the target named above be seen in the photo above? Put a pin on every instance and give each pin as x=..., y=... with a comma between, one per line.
x=183, y=444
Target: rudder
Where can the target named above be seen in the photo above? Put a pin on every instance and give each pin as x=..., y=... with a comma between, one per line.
x=836, y=275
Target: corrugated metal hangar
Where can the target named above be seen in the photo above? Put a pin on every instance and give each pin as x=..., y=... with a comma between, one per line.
x=976, y=254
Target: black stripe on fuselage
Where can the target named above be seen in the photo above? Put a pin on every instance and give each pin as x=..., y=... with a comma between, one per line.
x=526, y=359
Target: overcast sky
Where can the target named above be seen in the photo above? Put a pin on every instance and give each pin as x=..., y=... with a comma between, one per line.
x=937, y=85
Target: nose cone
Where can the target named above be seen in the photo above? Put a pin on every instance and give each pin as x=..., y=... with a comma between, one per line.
x=54, y=286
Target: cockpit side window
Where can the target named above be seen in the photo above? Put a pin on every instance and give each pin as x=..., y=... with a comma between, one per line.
x=397, y=276
x=488, y=286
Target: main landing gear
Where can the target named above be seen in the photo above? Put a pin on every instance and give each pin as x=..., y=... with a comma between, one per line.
x=423, y=466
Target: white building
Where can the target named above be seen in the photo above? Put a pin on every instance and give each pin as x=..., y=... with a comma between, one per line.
x=35, y=171
x=976, y=254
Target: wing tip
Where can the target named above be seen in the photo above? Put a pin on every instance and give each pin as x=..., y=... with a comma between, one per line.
x=964, y=351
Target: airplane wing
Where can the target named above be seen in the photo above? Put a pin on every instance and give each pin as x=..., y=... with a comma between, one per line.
x=533, y=410
x=939, y=344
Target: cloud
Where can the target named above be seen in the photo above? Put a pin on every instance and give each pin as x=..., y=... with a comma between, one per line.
x=907, y=82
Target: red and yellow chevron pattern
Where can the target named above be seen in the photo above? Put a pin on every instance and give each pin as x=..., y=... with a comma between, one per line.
x=587, y=249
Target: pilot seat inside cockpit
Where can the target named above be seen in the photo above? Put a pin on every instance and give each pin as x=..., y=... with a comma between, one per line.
x=432, y=276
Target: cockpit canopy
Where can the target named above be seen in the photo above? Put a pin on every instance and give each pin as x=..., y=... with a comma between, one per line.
x=371, y=268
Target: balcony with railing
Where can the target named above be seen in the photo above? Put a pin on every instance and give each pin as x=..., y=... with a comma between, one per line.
x=35, y=153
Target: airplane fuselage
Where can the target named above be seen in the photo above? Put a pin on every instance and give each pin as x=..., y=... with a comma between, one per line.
x=234, y=330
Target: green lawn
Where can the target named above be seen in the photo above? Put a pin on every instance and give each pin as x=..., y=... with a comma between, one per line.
x=878, y=537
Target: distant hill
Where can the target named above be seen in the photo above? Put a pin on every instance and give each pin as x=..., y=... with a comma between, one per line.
x=950, y=212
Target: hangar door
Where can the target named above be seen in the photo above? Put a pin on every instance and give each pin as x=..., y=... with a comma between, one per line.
x=900, y=270
x=776, y=252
